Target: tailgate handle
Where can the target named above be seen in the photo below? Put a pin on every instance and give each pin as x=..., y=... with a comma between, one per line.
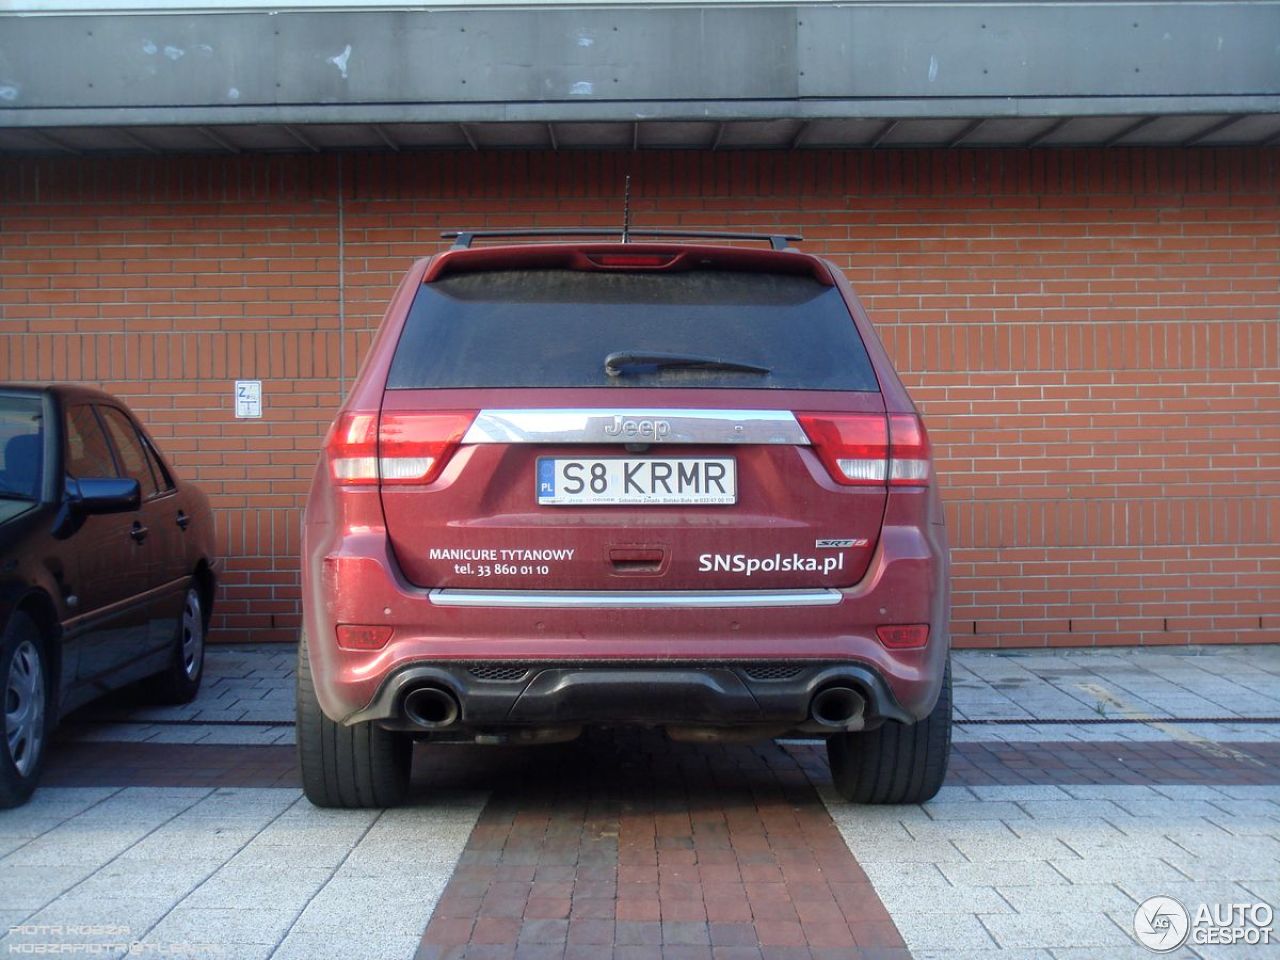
x=637, y=559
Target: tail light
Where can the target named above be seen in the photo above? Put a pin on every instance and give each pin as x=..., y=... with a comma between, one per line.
x=404, y=448
x=854, y=447
x=352, y=448
x=414, y=447
x=909, y=454
x=860, y=449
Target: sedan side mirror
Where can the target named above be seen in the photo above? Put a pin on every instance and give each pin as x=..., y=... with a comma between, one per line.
x=94, y=495
x=106, y=495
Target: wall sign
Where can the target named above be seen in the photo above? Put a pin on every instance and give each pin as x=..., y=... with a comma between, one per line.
x=248, y=399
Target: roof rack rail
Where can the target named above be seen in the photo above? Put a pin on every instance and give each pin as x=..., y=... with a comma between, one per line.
x=778, y=241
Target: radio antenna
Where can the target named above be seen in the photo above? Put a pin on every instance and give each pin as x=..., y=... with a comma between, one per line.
x=626, y=211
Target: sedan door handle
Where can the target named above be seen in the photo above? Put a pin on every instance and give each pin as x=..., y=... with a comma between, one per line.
x=139, y=532
x=183, y=520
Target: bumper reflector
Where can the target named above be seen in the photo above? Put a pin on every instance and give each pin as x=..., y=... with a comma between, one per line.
x=355, y=636
x=902, y=636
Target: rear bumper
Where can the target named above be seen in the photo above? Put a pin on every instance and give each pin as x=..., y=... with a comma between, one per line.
x=506, y=694
x=605, y=647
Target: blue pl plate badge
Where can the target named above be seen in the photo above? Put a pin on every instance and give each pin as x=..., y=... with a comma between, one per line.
x=546, y=478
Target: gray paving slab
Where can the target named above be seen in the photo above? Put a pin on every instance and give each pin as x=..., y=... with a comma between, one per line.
x=1246, y=808
x=233, y=890
x=172, y=879
x=1084, y=834
x=1027, y=849
x=1137, y=732
x=261, y=925
x=131, y=914
x=378, y=857
x=1246, y=826
x=960, y=931
x=1078, y=898
x=339, y=914
x=1249, y=791
x=180, y=841
x=129, y=805
x=272, y=859
x=1020, y=792
x=1075, y=808
x=1120, y=866
x=230, y=872
x=1237, y=951
x=1190, y=791
x=999, y=809
x=303, y=945
x=975, y=900
x=1012, y=873
x=1114, y=952
x=300, y=832
x=988, y=831
x=11, y=917
x=1074, y=928
x=1268, y=890
x=1193, y=891
x=1063, y=881
x=30, y=887
x=1211, y=869
x=1108, y=791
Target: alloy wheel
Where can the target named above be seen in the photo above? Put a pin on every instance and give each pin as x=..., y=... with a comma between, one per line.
x=192, y=634
x=24, y=707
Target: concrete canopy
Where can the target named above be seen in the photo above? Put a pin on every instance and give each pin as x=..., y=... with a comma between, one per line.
x=158, y=77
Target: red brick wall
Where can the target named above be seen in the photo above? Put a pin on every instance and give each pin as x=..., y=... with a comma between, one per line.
x=1094, y=337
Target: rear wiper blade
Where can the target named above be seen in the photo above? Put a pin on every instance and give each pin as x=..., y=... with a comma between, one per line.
x=615, y=364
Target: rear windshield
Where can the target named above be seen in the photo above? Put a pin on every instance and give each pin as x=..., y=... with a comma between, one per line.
x=554, y=328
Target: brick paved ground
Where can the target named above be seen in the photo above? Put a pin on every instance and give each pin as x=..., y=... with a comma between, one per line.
x=636, y=848
x=186, y=827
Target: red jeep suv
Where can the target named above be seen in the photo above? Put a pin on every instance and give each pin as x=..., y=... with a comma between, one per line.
x=659, y=483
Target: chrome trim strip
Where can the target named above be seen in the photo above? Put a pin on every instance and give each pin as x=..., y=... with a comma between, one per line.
x=635, y=599
x=95, y=618
x=635, y=425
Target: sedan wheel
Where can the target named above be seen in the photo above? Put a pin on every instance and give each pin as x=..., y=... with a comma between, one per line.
x=179, y=682
x=24, y=708
x=192, y=634
x=26, y=681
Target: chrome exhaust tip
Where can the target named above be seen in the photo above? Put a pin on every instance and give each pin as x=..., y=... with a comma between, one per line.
x=838, y=707
x=431, y=707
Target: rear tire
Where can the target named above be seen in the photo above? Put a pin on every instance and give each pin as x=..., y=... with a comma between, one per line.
x=179, y=682
x=28, y=714
x=356, y=766
x=896, y=762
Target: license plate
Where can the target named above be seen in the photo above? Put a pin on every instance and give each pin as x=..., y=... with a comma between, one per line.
x=620, y=481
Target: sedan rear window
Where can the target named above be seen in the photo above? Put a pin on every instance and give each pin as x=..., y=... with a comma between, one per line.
x=572, y=328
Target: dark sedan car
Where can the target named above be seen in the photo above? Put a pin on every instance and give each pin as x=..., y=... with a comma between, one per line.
x=107, y=567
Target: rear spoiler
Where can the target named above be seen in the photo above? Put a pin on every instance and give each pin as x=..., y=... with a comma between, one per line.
x=660, y=257
x=777, y=241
